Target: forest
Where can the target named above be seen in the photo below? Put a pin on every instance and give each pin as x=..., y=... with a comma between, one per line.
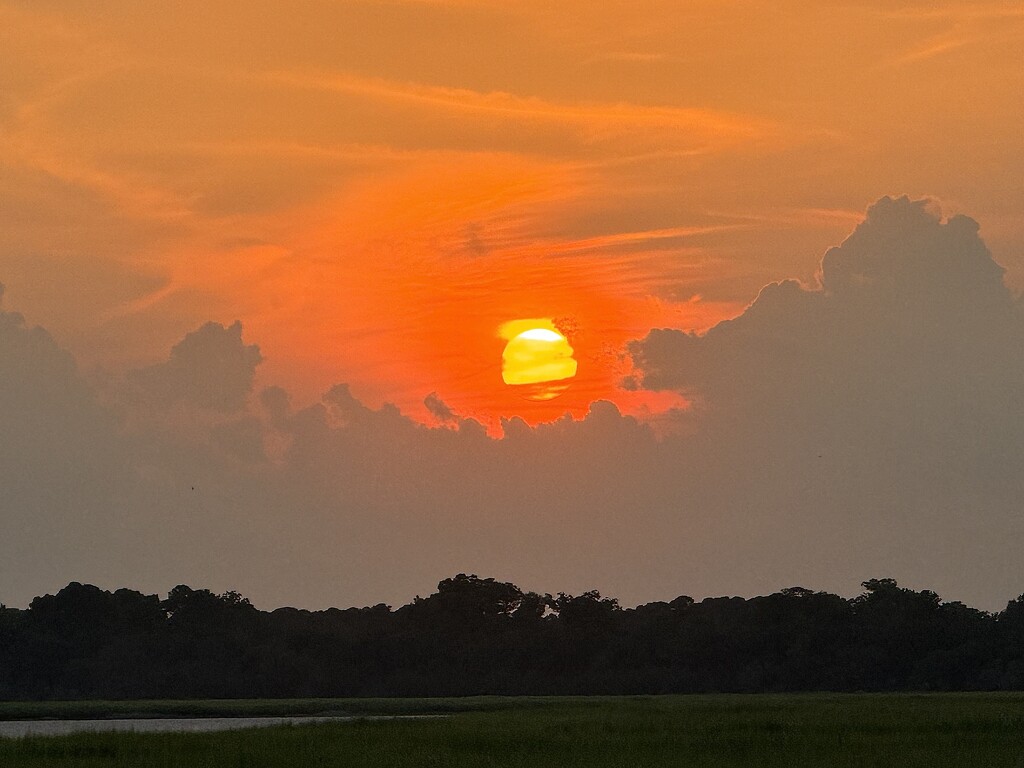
x=483, y=636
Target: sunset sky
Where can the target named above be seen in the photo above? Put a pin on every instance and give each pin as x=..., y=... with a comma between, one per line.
x=369, y=192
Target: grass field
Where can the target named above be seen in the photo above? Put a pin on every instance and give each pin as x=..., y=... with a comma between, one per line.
x=986, y=731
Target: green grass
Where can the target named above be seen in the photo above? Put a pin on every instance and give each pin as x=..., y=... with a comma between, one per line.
x=986, y=731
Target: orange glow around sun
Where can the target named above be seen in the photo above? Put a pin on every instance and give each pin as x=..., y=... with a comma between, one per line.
x=440, y=270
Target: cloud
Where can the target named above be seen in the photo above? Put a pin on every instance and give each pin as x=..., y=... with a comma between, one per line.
x=332, y=503
x=62, y=469
x=594, y=121
x=211, y=367
x=874, y=418
x=41, y=392
x=439, y=409
x=907, y=297
x=871, y=424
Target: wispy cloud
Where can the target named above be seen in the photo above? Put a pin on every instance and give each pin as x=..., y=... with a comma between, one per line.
x=594, y=117
x=937, y=46
x=967, y=25
x=640, y=240
x=959, y=11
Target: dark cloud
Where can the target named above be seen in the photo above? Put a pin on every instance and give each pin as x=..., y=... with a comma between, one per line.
x=42, y=396
x=439, y=409
x=878, y=417
x=277, y=403
x=911, y=314
x=62, y=470
x=211, y=367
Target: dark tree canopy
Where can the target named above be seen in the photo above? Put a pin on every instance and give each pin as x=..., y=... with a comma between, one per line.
x=479, y=635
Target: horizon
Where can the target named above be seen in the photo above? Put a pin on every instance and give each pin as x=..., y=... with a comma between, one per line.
x=473, y=576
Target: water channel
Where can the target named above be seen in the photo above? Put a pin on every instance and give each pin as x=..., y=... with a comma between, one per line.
x=18, y=728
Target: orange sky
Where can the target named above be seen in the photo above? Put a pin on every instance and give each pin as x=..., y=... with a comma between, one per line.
x=373, y=188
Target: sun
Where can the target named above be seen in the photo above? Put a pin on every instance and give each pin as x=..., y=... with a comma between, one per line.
x=537, y=360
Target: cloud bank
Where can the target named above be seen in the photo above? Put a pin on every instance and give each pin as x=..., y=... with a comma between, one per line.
x=876, y=418
x=870, y=425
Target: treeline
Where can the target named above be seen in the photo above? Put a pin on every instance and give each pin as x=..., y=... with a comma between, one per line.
x=481, y=636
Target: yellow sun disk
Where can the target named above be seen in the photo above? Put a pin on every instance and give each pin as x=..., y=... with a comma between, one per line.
x=537, y=355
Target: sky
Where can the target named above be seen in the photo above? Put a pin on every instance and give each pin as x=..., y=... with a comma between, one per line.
x=260, y=262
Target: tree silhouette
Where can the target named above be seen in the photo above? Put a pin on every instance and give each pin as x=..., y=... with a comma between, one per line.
x=479, y=635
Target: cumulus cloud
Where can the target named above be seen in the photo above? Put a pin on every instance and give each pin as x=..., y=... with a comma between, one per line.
x=875, y=418
x=911, y=311
x=42, y=395
x=211, y=367
x=61, y=467
x=115, y=494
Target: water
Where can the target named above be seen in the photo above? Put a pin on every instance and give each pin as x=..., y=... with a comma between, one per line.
x=17, y=728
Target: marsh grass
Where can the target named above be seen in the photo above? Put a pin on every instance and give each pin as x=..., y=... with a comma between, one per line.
x=721, y=731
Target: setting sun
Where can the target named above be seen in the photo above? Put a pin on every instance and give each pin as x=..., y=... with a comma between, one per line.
x=538, y=358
